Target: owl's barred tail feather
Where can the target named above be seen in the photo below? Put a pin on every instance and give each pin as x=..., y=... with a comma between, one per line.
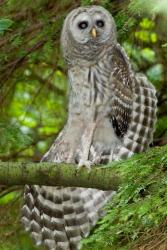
x=60, y=217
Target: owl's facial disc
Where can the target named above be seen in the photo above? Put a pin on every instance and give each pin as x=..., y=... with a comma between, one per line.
x=87, y=31
x=92, y=25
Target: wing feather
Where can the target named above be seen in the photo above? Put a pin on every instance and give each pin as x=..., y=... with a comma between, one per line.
x=122, y=87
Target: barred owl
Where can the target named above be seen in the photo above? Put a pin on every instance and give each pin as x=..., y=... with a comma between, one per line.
x=111, y=115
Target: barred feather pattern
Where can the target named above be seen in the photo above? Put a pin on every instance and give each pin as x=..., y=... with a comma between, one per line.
x=140, y=133
x=60, y=217
x=111, y=115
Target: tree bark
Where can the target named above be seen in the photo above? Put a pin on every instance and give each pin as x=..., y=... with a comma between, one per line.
x=108, y=177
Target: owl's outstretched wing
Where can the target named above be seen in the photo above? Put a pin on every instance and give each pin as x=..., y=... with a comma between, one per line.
x=134, y=107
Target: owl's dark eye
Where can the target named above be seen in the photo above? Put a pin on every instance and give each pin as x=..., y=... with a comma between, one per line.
x=83, y=25
x=100, y=23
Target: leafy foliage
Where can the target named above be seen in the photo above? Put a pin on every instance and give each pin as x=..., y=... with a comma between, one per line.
x=139, y=205
x=5, y=24
x=11, y=136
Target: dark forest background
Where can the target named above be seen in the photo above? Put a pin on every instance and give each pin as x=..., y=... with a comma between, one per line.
x=33, y=82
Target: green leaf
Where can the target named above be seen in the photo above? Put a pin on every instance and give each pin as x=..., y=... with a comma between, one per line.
x=148, y=54
x=5, y=24
x=9, y=197
x=146, y=23
x=164, y=45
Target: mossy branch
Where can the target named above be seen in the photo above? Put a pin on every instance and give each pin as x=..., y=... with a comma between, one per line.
x=107, y=177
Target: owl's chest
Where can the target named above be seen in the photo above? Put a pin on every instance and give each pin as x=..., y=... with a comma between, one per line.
x=90, y=89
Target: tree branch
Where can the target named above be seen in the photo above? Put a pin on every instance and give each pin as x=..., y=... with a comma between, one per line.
x=56, y=174
x=108, y=177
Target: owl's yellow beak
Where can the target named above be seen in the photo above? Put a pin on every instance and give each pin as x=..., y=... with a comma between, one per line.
x=94, y=33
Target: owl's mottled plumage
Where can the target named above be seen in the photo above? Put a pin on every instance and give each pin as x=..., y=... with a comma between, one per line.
x=112, y=112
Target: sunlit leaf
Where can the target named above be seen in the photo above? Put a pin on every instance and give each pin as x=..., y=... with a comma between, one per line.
x=147, y=23
x=9, y=197
x=148, y=54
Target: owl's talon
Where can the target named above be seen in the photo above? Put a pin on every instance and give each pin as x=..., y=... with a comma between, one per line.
x=86, y=164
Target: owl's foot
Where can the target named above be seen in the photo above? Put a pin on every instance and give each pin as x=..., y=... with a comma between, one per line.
x=84, y=163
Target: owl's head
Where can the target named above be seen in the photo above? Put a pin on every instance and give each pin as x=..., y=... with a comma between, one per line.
x=86, y=31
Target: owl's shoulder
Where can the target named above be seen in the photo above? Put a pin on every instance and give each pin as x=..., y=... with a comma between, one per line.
x=120, y=57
